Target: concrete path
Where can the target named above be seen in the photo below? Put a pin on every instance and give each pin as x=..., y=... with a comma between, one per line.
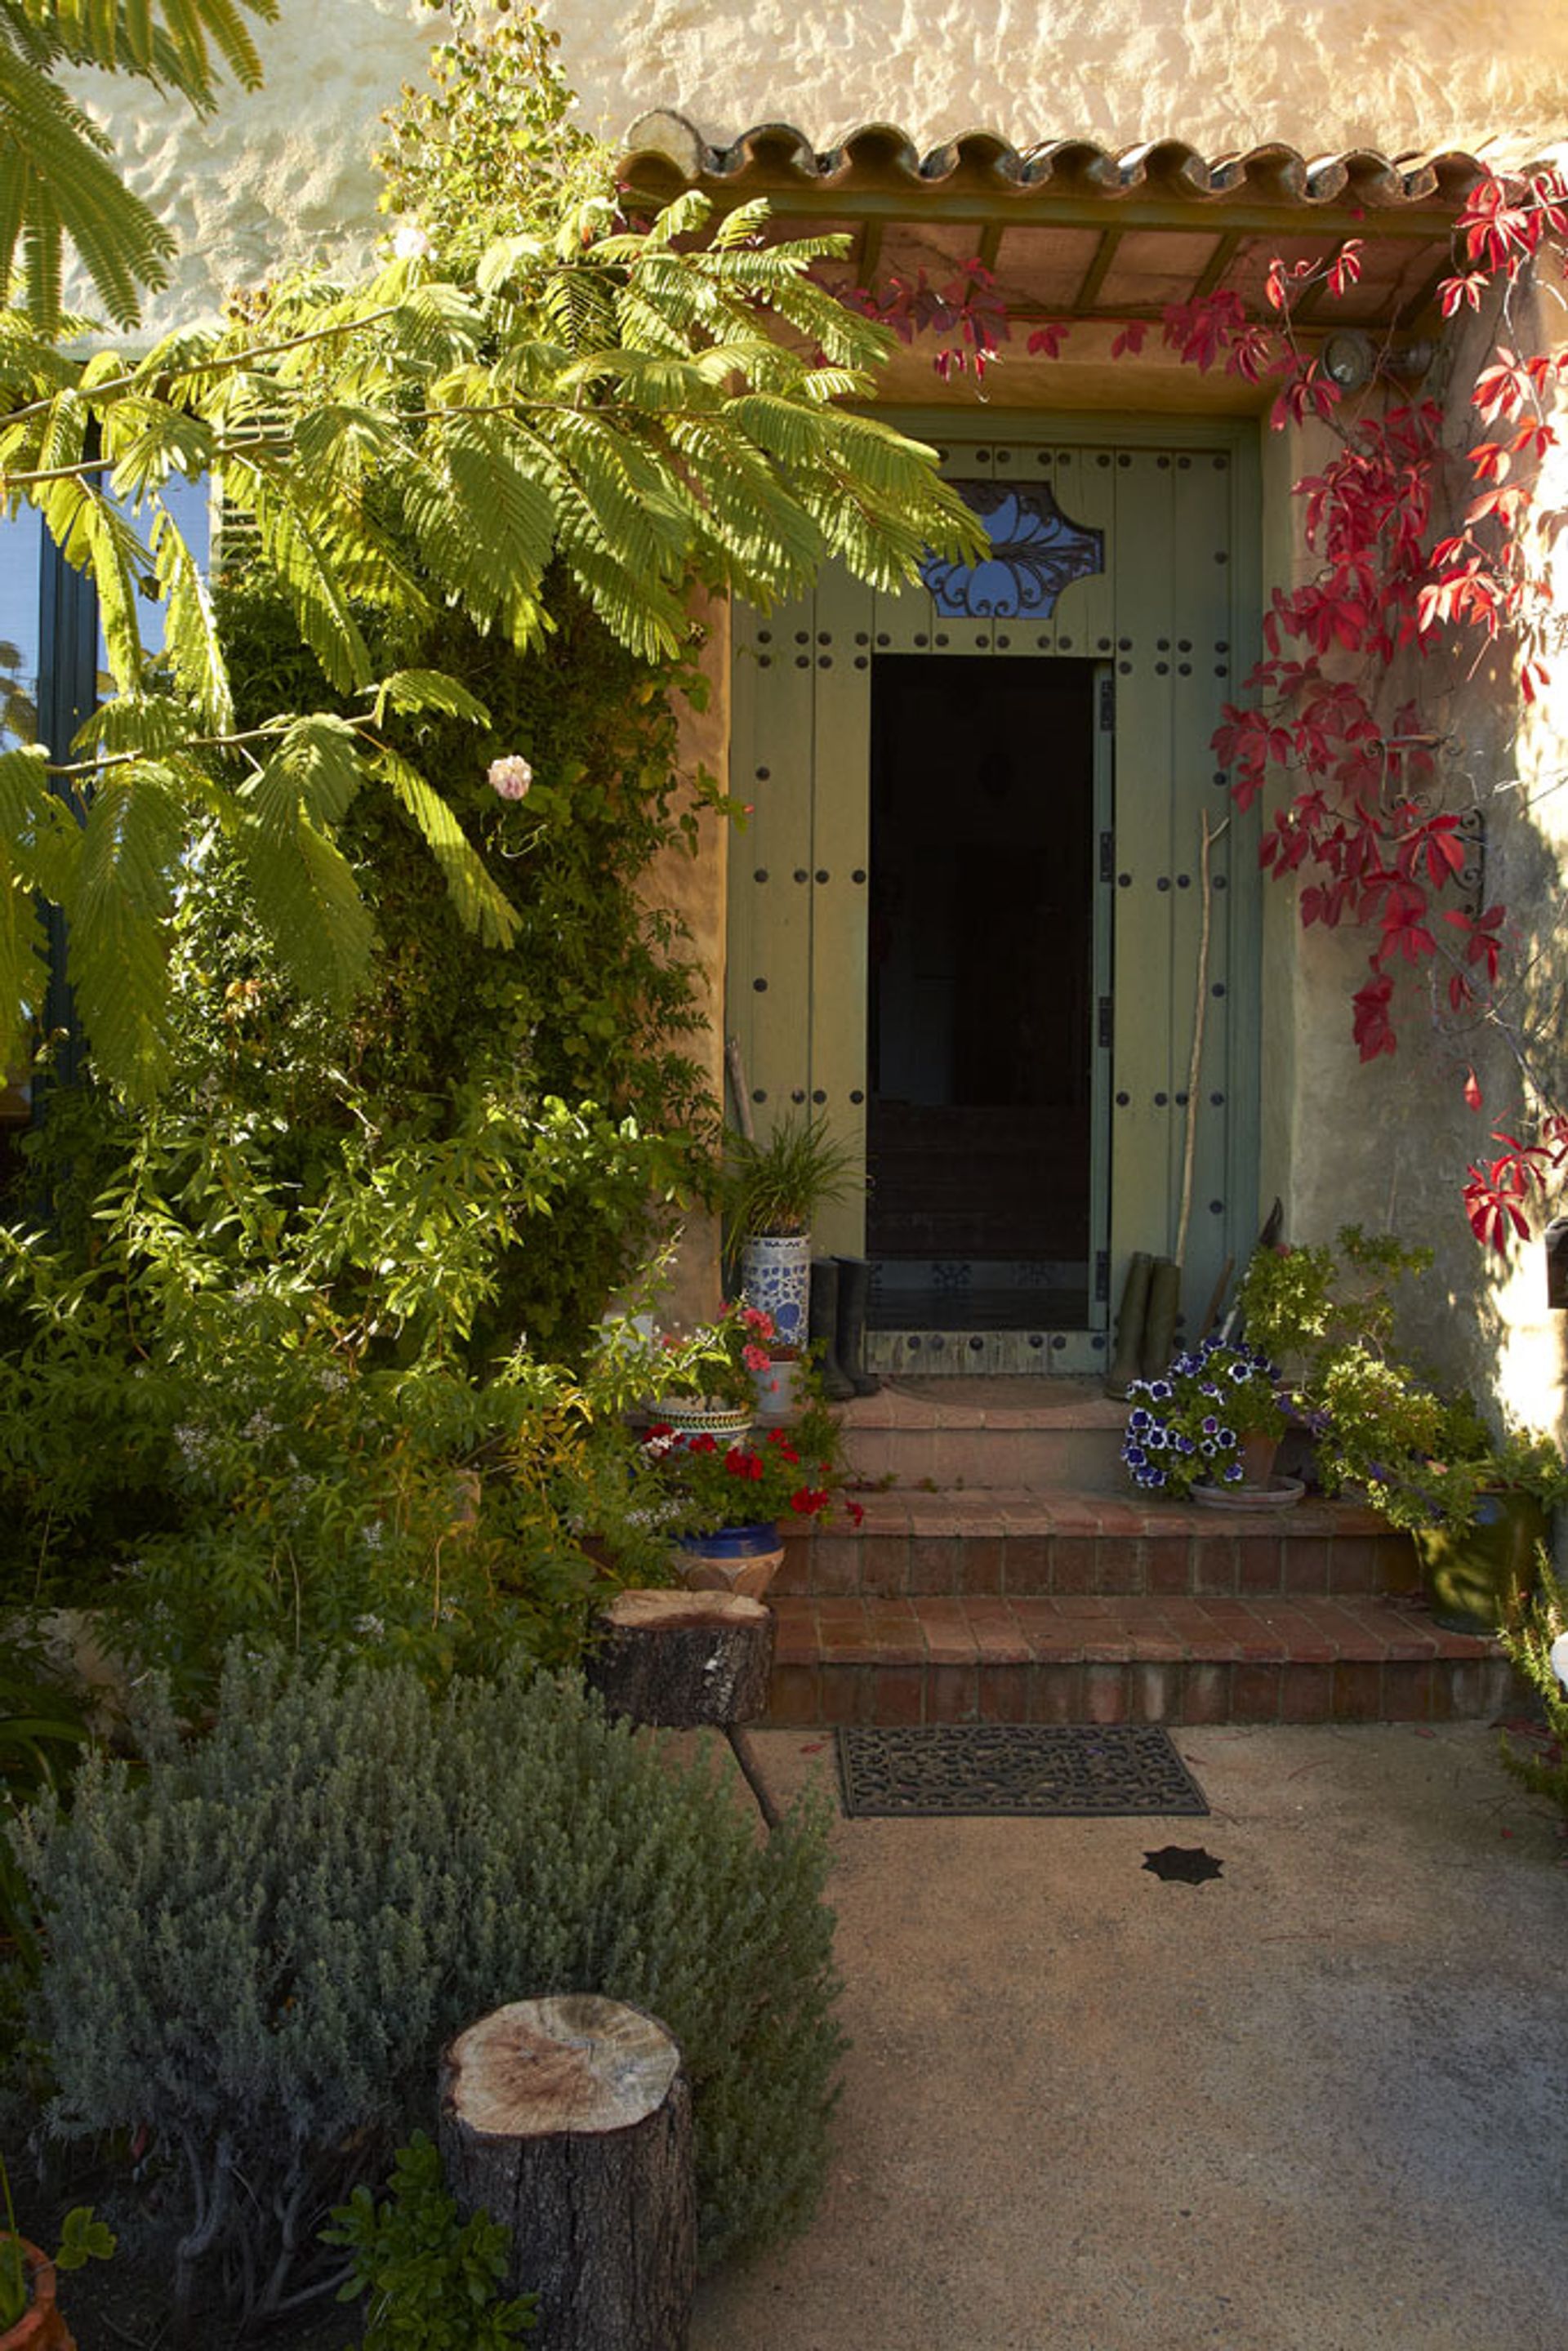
x=1320, y=2104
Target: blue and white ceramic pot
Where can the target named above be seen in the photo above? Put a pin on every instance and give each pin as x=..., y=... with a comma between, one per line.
x=776, y=1275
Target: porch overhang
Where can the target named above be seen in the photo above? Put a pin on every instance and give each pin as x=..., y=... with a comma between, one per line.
x=1073, y=233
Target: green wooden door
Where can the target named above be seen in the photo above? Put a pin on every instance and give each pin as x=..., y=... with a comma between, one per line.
x=1166, y=620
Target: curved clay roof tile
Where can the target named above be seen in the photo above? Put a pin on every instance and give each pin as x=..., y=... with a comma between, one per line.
x=878, y=154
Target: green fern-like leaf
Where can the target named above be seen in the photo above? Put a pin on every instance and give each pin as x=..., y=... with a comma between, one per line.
x=482, y=906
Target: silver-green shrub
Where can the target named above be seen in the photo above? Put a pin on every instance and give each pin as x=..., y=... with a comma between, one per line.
x=257, y=1943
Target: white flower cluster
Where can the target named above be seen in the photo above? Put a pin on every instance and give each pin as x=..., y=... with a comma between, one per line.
x=509, y=777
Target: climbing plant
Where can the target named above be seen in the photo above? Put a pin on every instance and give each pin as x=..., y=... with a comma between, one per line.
x=1427, y=561
x=634, y=412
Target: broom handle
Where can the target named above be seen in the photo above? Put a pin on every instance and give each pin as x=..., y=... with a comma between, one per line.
x=736, y=1069
x=1189, y=1152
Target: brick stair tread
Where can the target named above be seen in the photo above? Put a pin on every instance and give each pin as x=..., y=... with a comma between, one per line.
x=1092, y=1628
x=1050, y=1510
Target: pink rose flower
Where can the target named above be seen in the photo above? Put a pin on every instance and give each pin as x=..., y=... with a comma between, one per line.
x=509, y=777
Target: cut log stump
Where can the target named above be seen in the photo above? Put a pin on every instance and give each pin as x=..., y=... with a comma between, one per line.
x=569, y=2121
x=683, y=1660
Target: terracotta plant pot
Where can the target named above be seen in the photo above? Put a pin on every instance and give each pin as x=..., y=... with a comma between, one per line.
x=731, y=1559
x=40, y=2327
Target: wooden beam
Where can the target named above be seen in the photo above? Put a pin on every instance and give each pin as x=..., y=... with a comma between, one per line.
x=799, y=200
x=1220, y=260
x=990, y=245
x=1094, y=277
x=1424, y=295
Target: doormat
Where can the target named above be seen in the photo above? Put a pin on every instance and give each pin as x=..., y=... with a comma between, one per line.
x=1014, y=1771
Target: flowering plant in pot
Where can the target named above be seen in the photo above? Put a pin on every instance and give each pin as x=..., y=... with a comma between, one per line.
x=1189, y=1429
x=784, y=1474
x=707, y=1378
x=728, y=1499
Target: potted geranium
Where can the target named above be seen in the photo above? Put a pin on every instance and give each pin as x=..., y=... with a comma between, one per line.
x=727, y=1497
x=1207, y=1426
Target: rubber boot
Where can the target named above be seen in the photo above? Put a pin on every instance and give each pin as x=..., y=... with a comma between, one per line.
x=1130, y=1320
x=854, y=1296
x=822, y=1323
x=1164, y=1304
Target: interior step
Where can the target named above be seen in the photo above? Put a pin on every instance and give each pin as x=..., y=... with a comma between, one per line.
x=1089, y=1658
x=1021, y=1542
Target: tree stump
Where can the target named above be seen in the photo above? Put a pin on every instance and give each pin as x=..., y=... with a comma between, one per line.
x=569, y=2121
x=683, y=1659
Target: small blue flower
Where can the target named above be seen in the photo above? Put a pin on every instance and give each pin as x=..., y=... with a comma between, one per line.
x=1133, y=1456
x=1233, y=1473
x=1184, y=1445
x=1156, y=1439
x=1208, y=1389
x=1225, y=1437
x=1209, y=1448
x=1209, y=1423
x=1161, y=1391
x=1139, y=1419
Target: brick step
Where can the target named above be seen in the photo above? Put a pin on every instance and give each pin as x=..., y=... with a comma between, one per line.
x=1090, y=1658
x=1069, y=1436
x=1023, y=1541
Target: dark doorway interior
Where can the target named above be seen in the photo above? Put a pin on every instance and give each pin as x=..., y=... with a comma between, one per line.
x=981, y=975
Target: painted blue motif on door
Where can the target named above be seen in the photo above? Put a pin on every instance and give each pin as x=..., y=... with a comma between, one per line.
x=1036, y=552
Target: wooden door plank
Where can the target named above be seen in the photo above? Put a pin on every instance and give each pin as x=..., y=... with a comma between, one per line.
x=840, y=889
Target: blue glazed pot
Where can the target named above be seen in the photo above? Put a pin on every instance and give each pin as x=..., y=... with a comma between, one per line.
x=734, y=1543
x=731, y=1559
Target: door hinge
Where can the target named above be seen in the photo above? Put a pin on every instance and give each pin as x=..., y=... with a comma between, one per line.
x=1107, y=703
x=1107, y=857
x=1102, y=1275
x=1107, y=1024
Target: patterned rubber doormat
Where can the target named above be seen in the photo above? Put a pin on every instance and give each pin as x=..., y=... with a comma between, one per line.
x=1014, y=1771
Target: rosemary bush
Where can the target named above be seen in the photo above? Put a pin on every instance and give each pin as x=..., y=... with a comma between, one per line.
x=258, y=1944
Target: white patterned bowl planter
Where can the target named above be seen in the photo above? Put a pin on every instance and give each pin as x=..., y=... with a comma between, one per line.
x=689, y=1418
x=776, y=1275
x=731, y=1559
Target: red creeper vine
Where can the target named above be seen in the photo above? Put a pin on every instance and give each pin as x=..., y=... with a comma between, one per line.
x=1362, y=827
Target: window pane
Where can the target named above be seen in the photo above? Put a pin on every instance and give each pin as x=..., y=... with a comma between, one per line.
x=189, y=505
x=21, y=542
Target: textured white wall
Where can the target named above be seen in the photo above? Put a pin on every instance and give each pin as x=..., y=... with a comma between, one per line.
x=282, y=177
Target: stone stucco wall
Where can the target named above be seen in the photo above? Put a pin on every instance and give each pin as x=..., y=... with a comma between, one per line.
x=281, y=177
